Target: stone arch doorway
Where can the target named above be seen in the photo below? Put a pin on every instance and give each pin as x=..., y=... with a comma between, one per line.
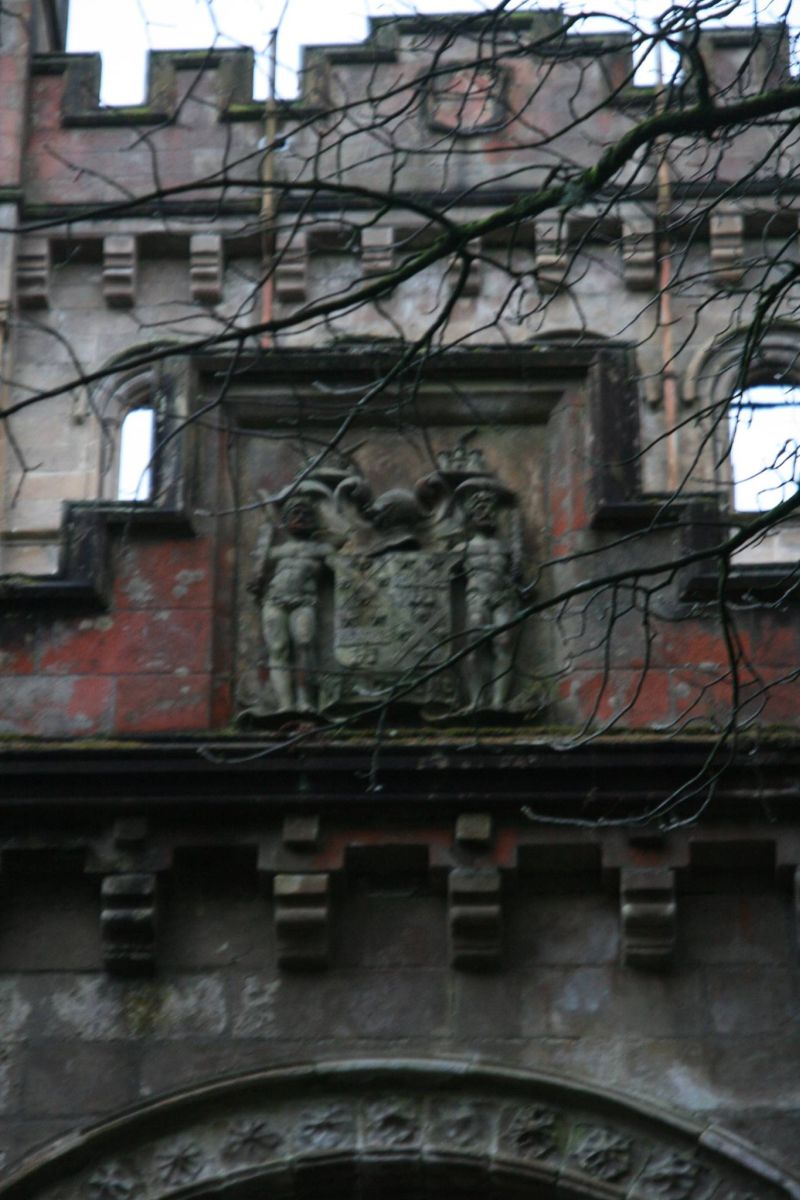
x=399, y=1128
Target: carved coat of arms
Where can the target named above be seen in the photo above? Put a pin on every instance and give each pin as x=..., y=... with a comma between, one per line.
x=405, y=597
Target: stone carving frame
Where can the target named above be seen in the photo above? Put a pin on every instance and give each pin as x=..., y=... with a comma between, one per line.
x=501, y=400
x=412, y=1124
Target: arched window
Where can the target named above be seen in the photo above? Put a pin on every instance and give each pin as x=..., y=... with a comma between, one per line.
x=748, y=396
x=141, y=409
x=764, y=429
x=136, y=455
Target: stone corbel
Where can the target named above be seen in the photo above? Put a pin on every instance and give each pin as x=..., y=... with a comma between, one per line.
x=33, y=273
x=120, y=270
x=648, y=916
x=291, y=267
x=474, y=831
x=726, y=234
x=377, y=250
x=301, y=834
x=129, y=865
x=302, y=919
x=639, y=254
x=8, y=249
x=206, y=265
x=475, y=917
x=472, y=284
x=551, y=262
x=129, y=922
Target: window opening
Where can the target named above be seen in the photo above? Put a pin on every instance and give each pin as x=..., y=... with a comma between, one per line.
x=136, y=448
x=764, y=446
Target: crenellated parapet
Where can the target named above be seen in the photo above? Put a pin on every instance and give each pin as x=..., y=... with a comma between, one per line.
x=473, y=99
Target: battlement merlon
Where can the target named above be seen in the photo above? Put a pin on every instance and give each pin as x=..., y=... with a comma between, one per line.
x=205, y=128
x=229, y=72
x=759, y=56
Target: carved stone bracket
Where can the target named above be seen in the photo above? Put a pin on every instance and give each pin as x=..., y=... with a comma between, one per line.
x=726, y=232
x=206, y=263
x=648, y=914
x=302, y=919
x=33, y=273
x=301, y=834
x=291, y=267
x=377, y=250
x=474, y=916
x=119, y=271
x=9, y=220
x=551, y=261
x=474, y=278
x=639, y=253
x=129, y=922
x=474, y=830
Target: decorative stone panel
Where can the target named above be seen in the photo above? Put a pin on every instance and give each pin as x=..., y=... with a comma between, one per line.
x=332, y=1124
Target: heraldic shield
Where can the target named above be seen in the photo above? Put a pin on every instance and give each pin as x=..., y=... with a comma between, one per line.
x=393, y=626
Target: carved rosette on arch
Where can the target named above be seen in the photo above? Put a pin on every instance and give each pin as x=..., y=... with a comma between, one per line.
x=400, y=1125
x=406, y=598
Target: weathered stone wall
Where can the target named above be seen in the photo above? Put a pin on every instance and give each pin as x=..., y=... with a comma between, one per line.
x=715, y=1037
x=127, y=633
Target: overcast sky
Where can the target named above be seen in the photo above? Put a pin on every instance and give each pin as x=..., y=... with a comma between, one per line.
x=123, y=29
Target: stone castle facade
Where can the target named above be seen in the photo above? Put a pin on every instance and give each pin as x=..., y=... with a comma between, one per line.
x=307, y=885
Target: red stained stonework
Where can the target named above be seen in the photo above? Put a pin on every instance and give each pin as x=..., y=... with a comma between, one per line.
x=74, y=707
x=130, y=643
x=158, y=574
x=142, y=666
x=162, y=703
